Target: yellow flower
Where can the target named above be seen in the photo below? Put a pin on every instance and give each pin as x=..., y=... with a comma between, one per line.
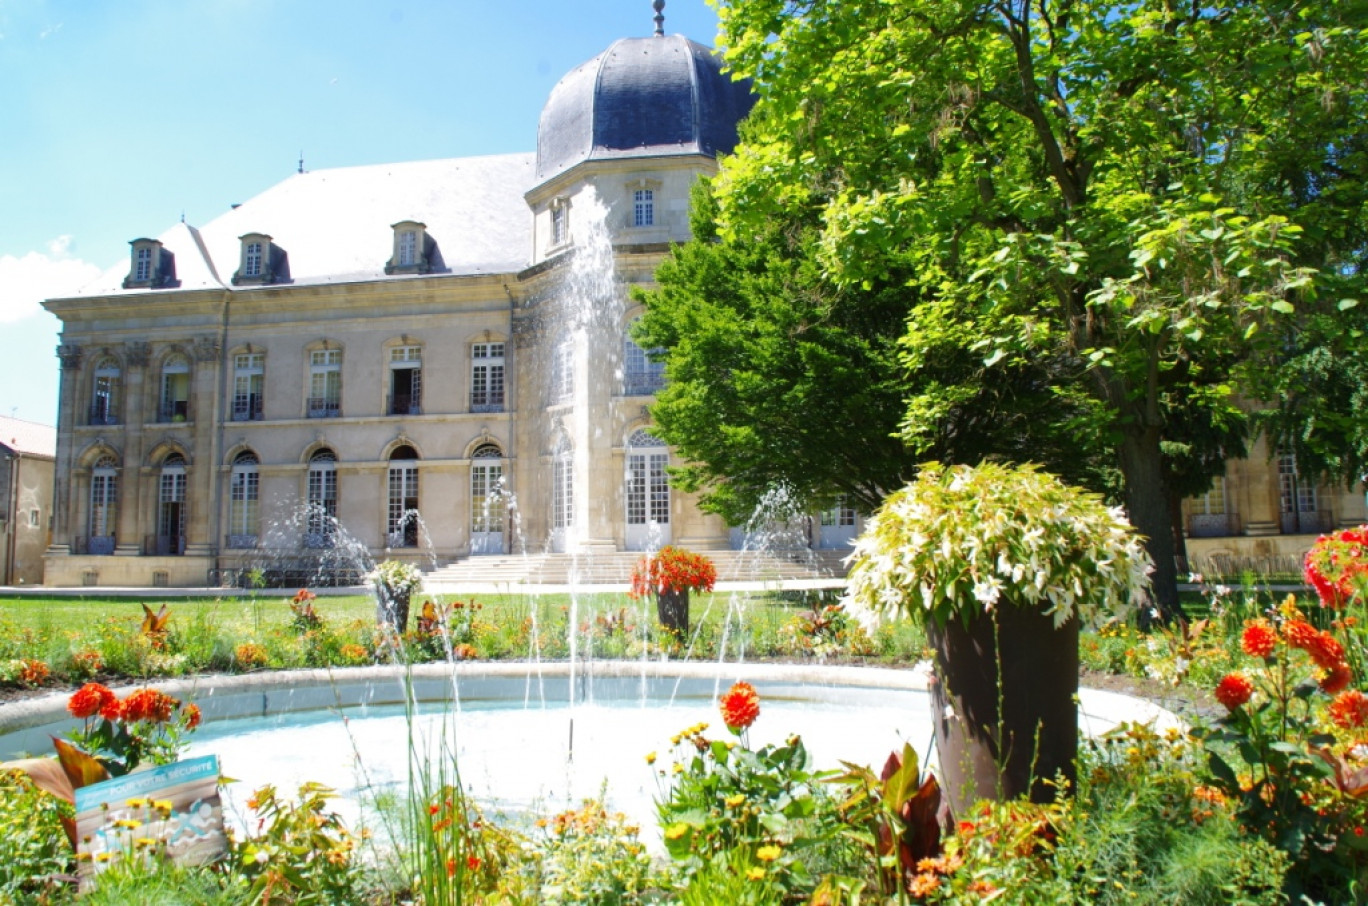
x=138, y=802
x=755, y=874
x=768, y=853
x=163, y=804
x=650, y=758
x=675, y=831
x=734, y=801
x=129, y=823
x=678, y=768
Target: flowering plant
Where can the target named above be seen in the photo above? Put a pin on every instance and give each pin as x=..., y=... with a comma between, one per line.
x=672, y=569
x=1337, y=566
x=959, y=540
x=395, y=577
x=147, y=725
x=740, y=707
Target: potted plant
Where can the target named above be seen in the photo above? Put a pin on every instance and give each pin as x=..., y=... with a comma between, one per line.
x=1003, y=563
x=394, y=582
x=670, y=574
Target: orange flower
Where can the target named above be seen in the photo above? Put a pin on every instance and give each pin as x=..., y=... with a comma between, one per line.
x=1349, y=709
x=192, y=716
x=1259, y=639
x=1299, y=633
x=149, y=705
x=1325, y=650
x=740, y=706
x=473, y=863
x=1234, y=690
x=303, y=596
x=89, y=700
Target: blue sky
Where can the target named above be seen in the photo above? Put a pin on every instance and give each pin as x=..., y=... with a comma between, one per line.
x=117, y=118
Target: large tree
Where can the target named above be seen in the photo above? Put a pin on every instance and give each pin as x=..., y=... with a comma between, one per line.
x=1148, y=203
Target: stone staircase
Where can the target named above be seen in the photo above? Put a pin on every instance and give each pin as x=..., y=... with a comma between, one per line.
x=615, y=568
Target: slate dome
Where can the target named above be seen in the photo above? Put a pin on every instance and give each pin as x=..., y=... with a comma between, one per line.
x=642, y=97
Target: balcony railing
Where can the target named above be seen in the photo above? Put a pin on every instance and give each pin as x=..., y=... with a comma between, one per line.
x=173, y=411
x=1306, y=523
x=323, y=407
x=319, y=540
x=1213, y=525
x=98, y=545
x=164, y=545
x=103, y=414
x=487, y=400
x=405, y=404
x=242, y=542
x=246, y=409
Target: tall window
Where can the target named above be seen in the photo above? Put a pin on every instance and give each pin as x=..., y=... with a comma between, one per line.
x=641, y=375
x=242, y=505
x=171, y=506
x=487, y=377
x=402, y=522
x=325, y=383
x=842, y=514
x=563, y=370
x=560, y=223
x=562, y=485
x=408, y=248
x=1208, y=512
x=322, y=518
x=104, y=400
x=648, y=488
x=104, y=494
x=486, y=491
x=643, y=208
x=406, y=380
x=175, y=390
x=249, y=371
x=142, y=265
x=1297, y=498
x=252, y=259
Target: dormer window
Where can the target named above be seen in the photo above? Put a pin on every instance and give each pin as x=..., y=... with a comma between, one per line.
x=262, y=261
x=152, y=267
x=413, y=249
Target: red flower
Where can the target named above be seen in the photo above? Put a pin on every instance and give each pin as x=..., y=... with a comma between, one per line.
x=473, y=863
x=1234, y=690
x=740, y=706
x=90, y=699
x=149, y=705
x=192, y=716
x=303, y=596
x=1334, y=680
x=672, y=569
x=1349, y=709
x=1259, y=639
x=1325, y=650
x=1336, y=565
x=1299, y=634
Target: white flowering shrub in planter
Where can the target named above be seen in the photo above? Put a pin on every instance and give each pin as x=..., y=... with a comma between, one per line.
x=394, y=582
x=1003, y=563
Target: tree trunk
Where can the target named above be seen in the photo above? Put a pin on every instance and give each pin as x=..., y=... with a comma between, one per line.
x=393, y=610
x=672, y=610
x=1147, y=505
x=999, y=740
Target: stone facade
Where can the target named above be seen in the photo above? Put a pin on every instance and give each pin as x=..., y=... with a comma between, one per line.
x=26, y=477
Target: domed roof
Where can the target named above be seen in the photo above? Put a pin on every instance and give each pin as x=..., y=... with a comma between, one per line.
x=642, y=97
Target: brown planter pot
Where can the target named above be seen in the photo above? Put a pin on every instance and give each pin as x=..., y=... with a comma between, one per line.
x=992, y=752
x=393, y=611
x=672, y=610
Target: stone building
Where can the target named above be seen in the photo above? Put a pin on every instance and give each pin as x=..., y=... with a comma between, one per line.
x=27, y=453
x=429, y=360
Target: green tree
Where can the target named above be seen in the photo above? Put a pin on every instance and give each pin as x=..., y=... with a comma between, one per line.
x=1145, y=202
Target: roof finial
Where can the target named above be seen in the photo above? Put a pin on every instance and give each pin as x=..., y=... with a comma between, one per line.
x=301, y=161
x=659, y=6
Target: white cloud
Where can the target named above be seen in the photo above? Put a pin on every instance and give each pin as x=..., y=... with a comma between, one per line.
x=25, y=282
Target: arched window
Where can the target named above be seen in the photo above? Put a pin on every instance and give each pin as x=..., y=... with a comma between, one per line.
x=402, y=518
x=104, y=495
x=562, y=485
x=104, y=400
x=641, y=375
x=487, y=505
x=322, y=516
x=242, y=502
x=175, y=390
x=648, y=492
x=171, y=507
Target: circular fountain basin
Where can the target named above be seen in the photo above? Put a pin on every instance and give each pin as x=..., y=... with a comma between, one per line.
x=533, y=737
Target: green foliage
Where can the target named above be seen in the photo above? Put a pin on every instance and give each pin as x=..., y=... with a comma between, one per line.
x=135, y=882
x=961, y=540
x=589, y=855
x=300, y=852
x=33, y=849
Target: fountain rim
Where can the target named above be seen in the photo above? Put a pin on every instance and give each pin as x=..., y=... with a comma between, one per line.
x=19, y=716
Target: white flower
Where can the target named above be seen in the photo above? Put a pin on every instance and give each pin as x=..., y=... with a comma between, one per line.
x=988, y=591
